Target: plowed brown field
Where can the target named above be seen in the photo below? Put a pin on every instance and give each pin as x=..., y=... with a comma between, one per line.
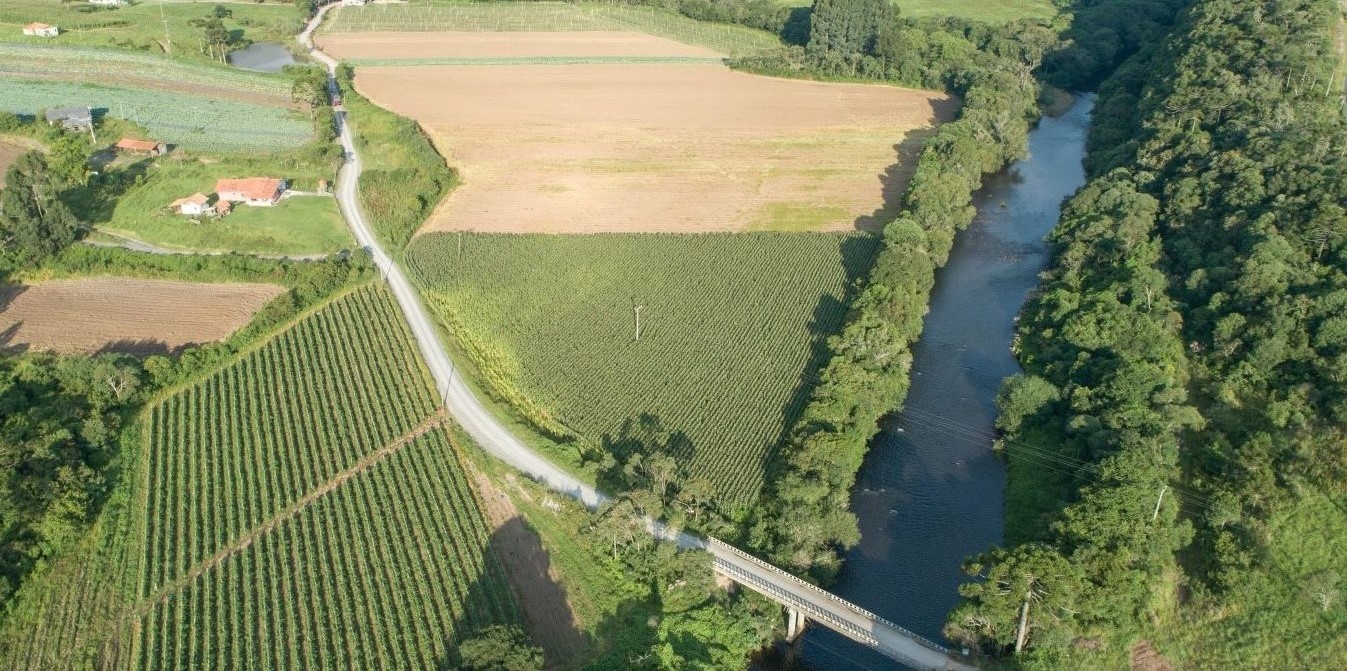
x=475, y=44
x=659, y=147
x=124, y=315
x=10, y=150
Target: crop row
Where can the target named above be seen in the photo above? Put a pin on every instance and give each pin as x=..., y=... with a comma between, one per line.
x=731, y=328
x=550, y=16
x=235, y=449
x=189, y=121
x=387, y=571
x=114, y=64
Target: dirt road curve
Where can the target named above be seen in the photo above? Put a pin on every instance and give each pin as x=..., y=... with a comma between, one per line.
x=460, y=401
x=498, y=441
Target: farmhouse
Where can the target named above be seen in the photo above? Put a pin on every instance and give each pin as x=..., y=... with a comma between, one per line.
x=41, y=30
x=353, y=3
x=255, y=191
x=72, y=117
x=195, y=205
x=151, y=147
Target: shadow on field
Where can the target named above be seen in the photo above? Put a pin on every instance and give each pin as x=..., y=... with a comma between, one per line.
x=142, y=347
x=96, y=200
x=647, y=436
x=858, y=255
x=541, y=599
x=9, y=292
x=893, y=183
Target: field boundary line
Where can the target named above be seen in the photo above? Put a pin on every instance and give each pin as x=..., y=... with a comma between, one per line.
x=438, y=419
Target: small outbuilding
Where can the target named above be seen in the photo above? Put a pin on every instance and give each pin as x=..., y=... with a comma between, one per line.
x=151, y=147
x=41, y=30
x=195, y=205
x=353, y=3
x=71, y=117
x=255, y=191
x=108, y=3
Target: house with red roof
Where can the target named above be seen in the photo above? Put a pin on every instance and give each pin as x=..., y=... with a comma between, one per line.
x=255, y=191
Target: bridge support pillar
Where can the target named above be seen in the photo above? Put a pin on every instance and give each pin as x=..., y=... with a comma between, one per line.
x=795, y=624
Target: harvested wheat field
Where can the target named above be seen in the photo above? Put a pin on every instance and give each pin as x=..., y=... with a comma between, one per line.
x=486, y=45
x=659, y=148
x=124, y=315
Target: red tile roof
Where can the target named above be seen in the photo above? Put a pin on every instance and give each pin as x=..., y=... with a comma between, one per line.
x=196, y=199
x=252, y=188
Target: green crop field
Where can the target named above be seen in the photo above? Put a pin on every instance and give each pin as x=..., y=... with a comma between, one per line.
x=152, y=27
x=551, y=16
x=46, y=61
x=731, y=324
x=299, y=508
x=1001, y=11
x=191, y=122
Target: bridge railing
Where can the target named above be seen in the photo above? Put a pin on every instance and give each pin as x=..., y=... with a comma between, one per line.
x=730, y=549
x=824, y=617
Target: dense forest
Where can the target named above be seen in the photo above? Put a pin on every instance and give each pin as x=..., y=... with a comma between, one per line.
x=1177, y=446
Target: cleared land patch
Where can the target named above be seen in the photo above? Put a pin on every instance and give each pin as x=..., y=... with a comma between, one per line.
x=471, y=45
x=124, y=314
x=11, y=148
x=731, y=327
x=666, y=148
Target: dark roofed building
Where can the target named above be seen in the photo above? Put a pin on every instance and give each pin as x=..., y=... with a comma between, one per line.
x=71, y=117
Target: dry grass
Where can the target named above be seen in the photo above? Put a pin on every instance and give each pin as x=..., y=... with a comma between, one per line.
x=10, y=150
x=124, y=315
x=659, y=148
x=470, y=44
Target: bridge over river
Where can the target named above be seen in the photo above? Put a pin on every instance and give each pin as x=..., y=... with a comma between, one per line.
x=801, y=599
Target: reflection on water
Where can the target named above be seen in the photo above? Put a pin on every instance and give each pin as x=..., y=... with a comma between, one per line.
x=262, y=57
x=931, y=492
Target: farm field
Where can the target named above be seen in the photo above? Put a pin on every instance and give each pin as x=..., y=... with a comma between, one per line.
x=192, y=122
x=125, y=315
x=139, y=26
x=729, y=40
x=300, y=507
x=92, y=64
x=731, y=326
x=487, y=45
x=659, y=148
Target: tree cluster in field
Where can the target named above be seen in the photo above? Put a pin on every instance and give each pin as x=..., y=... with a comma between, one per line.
x=1187, y=356
x=60, y=423
x=805, y=517
x=397, y=198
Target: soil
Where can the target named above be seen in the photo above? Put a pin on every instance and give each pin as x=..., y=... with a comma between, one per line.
x=660, y=147
x=109, y=314
x=504, y=45
x=548, y=615
x=11, y=148
x=1146, y=658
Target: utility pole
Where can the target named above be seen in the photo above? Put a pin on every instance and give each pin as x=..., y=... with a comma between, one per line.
x=168, y=41
x=638, y=309
x=1158, y=499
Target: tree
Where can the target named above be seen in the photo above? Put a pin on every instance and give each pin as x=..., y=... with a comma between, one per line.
x=618, y=525
x=221, y=12
x=848, y=28
x=33, y=221
x=500, y=648
x=69, y=159
x=1027, y=592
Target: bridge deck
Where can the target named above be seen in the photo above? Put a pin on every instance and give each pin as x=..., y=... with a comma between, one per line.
x=832, y=611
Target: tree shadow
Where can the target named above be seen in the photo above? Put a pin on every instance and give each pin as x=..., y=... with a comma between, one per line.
x=543, y=604
x=645, y=435
x=96, y=200
x=858, y=255
x=142, y=347
x=894, y=180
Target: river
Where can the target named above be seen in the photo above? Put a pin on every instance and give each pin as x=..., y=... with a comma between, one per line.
x=931, y=491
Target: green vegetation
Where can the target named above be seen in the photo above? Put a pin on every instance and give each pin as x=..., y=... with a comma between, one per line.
x=295, y=226
x=552, y=16
x=190, y=121
x=404, y=178
x=34, y=223
x=91, y=64
x=995, y=13
x=637, y=604
x=298, y=507
x=1184, y=362
x=139, y=26
x=730, y=333
x=805, y=518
